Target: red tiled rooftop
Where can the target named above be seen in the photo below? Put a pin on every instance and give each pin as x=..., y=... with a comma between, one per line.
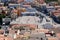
x=44, y=30
x=56, y=12
x=19, y=1
x=2, y=37
x=26, y=25
x=8, y=38
x=1, y=31
x=58, y=35
x=53, y=38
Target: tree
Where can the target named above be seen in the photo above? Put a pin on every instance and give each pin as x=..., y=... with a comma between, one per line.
x=2, y=16
x=21, y=28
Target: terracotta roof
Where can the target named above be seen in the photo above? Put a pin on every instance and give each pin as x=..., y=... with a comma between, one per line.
x=58, y=35
x=26, y=25
x=52, y=38
x=56, y=12
x=1, y=31
x=44, y=30
x=19, y=1
x=8, y=38
x=2, y=37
